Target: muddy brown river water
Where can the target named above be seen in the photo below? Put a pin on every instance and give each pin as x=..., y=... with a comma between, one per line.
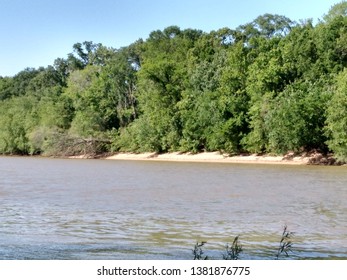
x=108, y=209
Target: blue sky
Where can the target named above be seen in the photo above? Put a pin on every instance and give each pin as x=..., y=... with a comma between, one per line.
x=34, y=33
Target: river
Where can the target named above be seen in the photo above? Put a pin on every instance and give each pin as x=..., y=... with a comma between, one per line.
x=108, y=209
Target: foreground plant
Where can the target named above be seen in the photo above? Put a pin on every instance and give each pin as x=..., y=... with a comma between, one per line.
x=285, y=245
x=198, y=252
x=232, y=252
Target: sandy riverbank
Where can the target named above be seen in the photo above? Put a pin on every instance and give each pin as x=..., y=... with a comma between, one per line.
x=214, y=157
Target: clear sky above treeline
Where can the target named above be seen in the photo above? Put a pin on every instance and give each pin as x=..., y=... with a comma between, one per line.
x=35, y=33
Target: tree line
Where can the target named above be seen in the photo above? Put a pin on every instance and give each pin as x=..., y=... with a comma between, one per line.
x=269, y=86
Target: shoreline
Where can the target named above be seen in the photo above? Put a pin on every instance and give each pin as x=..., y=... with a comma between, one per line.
x=216, y=157
x=313, y=158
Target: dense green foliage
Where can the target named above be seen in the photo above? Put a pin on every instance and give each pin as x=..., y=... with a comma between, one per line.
x=271, y=85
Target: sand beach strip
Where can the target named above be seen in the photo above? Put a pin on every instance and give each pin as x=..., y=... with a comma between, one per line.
x=216, y=157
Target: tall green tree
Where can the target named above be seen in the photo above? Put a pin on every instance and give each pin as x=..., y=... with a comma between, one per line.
x=162, y=78
x=296, y=118
x=18, y=117
x=336, y=123
x=337, y=10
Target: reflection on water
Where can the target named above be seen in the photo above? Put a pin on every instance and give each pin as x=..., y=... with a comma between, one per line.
x=98, y=209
